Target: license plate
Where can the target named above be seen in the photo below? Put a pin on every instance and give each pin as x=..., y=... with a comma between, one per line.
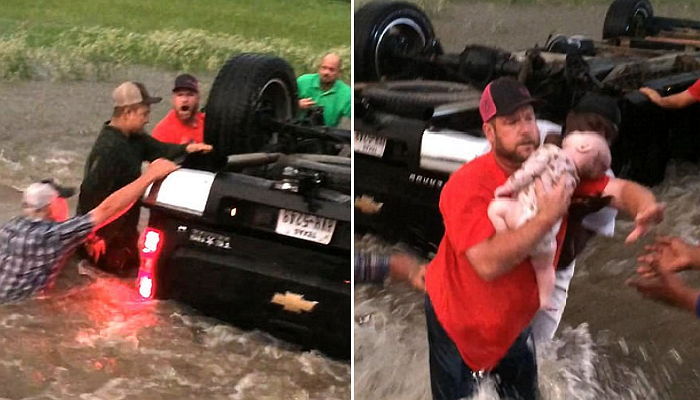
x=369, y=144
x=210, y=239
x=305, y=226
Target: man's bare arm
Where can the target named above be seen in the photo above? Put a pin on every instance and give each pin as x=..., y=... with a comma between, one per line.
x=118, y=202
x=503, y=251
x=638, y=202
x=678, y=100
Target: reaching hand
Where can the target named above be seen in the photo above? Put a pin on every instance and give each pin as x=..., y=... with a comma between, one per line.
x=661, y=285
x=670, y=254
x=417, y=278
x=95, y=247
x=198, y=148
x=306, y=103
x=160, y=168
x=645, y=220
x=404, y=266
x=652, y=94
x=554, y=203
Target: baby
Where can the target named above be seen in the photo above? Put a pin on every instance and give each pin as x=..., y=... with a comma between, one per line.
x=584, y=155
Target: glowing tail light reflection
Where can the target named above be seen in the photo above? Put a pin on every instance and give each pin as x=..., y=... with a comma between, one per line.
x=150, y=244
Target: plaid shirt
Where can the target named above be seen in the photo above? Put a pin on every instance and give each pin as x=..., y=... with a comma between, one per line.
x=371, y=266
x=33, y=251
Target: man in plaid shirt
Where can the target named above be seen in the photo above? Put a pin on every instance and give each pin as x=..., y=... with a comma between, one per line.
x=35, y=246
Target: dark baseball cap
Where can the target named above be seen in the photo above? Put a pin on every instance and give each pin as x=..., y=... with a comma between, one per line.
x=600, y=104
x=503, y=96
x=186, y=81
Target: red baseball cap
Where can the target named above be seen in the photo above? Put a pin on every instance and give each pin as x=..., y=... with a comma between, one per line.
x=503, y=96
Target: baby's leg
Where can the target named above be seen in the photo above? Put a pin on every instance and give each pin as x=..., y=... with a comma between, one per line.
x=543, y=263
x=501, y=213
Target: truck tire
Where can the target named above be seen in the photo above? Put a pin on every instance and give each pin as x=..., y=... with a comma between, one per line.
x=248, y=86
x=417, y=98
x=627, y=18
x=385, y=27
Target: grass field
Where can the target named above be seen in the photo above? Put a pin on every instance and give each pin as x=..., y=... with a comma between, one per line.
x=73, y=39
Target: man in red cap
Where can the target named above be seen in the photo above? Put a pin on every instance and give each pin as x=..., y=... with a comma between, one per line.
x=481, y=287
x=184, y=123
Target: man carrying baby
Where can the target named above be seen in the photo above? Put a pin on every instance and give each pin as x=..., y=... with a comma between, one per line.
x=481, y=287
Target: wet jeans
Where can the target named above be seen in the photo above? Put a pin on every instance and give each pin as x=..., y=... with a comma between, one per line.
x=451, y=378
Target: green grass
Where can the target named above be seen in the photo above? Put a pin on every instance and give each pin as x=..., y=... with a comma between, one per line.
x=70, y=39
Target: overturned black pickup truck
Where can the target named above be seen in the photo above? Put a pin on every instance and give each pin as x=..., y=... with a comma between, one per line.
x=416, y=107
x=257, y=233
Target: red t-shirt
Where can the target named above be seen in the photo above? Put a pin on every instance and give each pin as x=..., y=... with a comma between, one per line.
x=482, y=318
x=171, y=130
x=694, y=90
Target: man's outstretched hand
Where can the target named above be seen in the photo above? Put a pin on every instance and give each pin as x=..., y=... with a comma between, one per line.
x=645, y=220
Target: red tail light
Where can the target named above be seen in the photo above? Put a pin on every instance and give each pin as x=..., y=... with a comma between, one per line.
x=150, y=243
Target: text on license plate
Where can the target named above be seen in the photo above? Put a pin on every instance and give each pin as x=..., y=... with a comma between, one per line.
x=369, y=144
x=305, y=226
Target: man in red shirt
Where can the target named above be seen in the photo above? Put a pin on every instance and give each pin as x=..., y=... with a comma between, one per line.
x=481, y=287
x=184, y=123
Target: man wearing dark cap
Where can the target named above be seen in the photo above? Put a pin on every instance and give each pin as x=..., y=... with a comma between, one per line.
x=114, y=161
x=35, y=246
x=481, y=287
x=184, y=123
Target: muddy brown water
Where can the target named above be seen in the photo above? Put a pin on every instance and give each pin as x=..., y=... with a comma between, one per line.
x=91, y=337
x=612, y=344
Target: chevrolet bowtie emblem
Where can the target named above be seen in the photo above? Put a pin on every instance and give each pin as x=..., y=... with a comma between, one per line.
x=293, y=302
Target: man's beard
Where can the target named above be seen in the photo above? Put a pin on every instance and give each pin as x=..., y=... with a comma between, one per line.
x=514, y=156
x=327, y=82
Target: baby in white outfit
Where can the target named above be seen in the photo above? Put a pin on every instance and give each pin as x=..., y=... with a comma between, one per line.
x=584, y=155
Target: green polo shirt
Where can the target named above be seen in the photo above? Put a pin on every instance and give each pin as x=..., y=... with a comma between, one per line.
x=335, y=101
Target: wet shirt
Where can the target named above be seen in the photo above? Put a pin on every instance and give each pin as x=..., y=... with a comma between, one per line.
x=33, y=251
x=335, y=101
x=171, y=129
x=482, y=318
x=114, y=162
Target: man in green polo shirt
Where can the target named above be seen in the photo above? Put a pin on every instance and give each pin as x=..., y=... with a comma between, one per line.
x=324, y=89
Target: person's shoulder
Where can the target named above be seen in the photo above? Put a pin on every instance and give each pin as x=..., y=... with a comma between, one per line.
x=168, y=116
x=108, y=138
x=77, y=223
x=28, y=226
x=473, y=171
x=340, y=85
x=163, y=123
x=14, y=223
x=306, y=78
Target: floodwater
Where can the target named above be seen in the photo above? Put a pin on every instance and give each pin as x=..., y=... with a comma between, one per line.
x=91, y=337
x=612, y=343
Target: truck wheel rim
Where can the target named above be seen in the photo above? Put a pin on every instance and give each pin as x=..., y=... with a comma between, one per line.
x=404, y=35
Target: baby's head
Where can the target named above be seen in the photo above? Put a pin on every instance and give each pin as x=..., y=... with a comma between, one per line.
x=589, y=151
